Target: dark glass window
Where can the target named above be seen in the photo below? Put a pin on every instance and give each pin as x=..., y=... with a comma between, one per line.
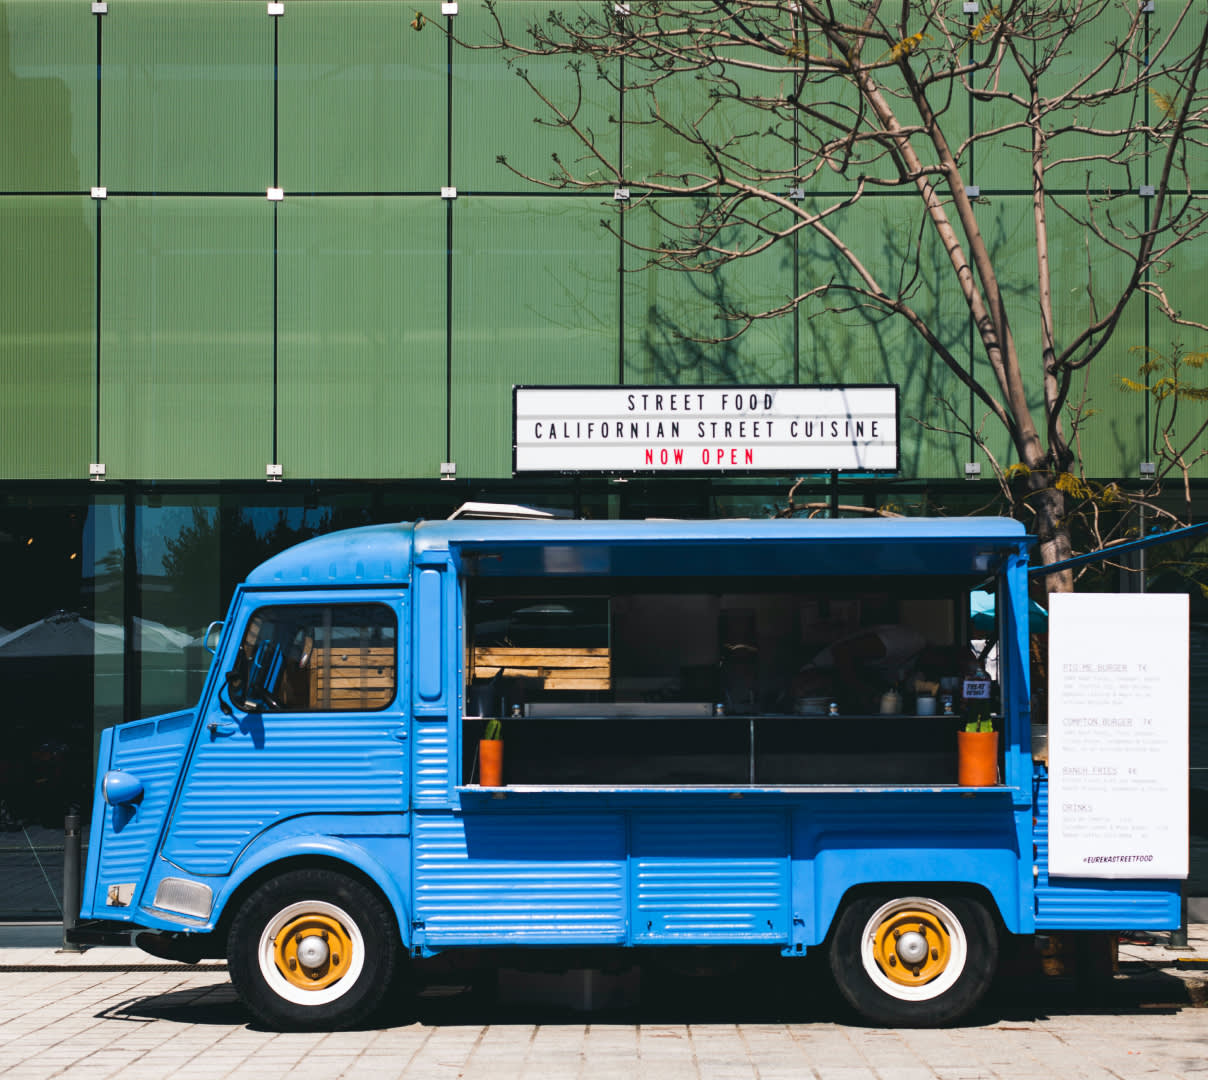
x=316, y=658
x=720, y=680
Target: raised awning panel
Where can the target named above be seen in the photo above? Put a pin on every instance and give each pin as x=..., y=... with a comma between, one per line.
x=947, y=546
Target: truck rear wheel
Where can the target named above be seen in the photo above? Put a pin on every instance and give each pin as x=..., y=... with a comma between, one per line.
x=914, y=961
x=312, y=949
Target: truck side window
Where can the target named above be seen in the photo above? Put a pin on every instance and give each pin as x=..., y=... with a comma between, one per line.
x=316, y=658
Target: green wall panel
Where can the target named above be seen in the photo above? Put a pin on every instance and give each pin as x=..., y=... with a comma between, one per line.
x=1184, y=38
x=494, y=112
x=1073, y=68
x=363, y=98
x=1001, y=155
x=1080, y=268
x=750, y=140
x=535, y=300
x=47, y=95
x=832, y=109
x=47, y=336
x=1181, y=280
x=187, y=97
x=1088, y=280
x=669, y=312
x=845, y=341
x=361, y=362
x=1073, y=72
x=186, y=337
x=1006, y=224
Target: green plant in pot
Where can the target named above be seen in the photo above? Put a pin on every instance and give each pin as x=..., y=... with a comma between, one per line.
x=490, y=754
x=977, y=751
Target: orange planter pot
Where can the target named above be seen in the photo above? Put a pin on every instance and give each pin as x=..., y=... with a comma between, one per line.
x=490, y=762
x=977, y=758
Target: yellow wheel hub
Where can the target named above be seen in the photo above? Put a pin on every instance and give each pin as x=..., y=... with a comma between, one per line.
x=912, y=947
x=312, y=951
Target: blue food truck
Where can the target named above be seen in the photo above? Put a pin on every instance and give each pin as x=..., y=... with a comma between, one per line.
x=734, y=733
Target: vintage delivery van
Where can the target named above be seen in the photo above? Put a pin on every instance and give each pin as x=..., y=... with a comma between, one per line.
x=725, y=733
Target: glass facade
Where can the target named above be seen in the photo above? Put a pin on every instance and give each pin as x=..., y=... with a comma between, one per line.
x=162, y=315
x=186, y=326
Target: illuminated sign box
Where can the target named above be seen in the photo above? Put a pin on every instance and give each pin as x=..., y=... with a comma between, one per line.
x=704, y=430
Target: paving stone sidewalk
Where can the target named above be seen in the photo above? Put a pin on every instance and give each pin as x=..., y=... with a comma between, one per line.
x=120, y=1013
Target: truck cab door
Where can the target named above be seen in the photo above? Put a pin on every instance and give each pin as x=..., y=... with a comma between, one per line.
x=307, y=714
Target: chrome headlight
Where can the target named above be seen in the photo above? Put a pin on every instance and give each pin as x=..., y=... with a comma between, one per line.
x=187, y=897
x=120, y=788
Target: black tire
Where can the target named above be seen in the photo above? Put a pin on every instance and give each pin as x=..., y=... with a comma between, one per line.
x=914, y=961
x=312, y=949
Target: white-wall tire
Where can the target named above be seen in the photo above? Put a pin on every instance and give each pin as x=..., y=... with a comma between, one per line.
x=312, y=949
x=914, y=960
x=295, y=914
x=934, y=914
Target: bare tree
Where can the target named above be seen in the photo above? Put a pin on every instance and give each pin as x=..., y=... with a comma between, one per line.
x=771, y=101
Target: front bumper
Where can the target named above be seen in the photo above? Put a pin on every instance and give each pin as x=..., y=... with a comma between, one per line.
x=100, y=932
x=183, y=948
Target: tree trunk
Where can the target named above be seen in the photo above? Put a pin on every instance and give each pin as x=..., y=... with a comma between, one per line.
x=1054, y=533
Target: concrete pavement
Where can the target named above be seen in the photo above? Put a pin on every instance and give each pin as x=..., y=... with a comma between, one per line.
x=120, y=1013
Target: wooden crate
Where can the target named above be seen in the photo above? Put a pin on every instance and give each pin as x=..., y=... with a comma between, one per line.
x=559, y=669
x=352, y=678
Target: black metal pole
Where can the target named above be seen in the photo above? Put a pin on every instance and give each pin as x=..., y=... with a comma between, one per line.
x=1178, y=938
x=71, y=876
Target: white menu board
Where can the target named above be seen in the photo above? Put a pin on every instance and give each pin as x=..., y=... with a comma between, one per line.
x=1118, y=705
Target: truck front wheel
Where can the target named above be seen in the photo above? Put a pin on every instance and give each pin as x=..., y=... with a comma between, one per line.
x=312, y=949
x=914, y=961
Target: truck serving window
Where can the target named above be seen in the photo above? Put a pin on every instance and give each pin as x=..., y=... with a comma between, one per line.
x=316, y=658
x=727, y=681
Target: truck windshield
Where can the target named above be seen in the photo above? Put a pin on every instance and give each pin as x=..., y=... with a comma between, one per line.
x=316, y=657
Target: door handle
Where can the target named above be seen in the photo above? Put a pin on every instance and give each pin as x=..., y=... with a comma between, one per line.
x=222, y=728
x=400, y=734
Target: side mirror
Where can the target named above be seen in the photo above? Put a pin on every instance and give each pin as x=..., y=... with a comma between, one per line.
x=213, y=637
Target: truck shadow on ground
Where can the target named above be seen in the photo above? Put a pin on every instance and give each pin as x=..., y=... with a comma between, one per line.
x=663, y=998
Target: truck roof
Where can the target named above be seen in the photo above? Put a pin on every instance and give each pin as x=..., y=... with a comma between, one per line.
x=382, y=554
